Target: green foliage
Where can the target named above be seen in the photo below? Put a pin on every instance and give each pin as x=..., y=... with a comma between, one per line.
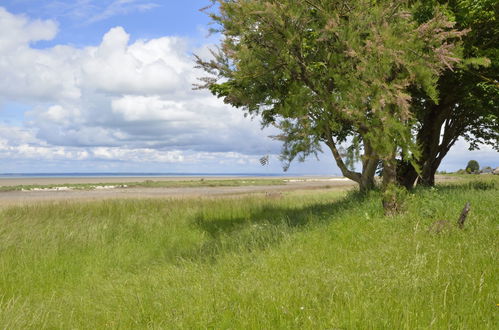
x=473, y=89
x=473, y=167
x=330, y=72
x=311, y=260
x=468, y=104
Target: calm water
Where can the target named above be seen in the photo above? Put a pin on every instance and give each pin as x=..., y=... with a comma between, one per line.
x=126, y=174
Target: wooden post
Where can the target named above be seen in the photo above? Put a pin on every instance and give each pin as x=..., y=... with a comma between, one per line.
x=464, y=214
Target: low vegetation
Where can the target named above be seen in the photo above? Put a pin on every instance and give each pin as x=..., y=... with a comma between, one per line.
x=311, y=259
x=152, y=184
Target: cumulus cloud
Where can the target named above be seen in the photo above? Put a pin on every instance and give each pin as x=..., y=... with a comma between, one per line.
x=147, y=67
x=22, y=31
x=115, y=100
x=31, y=74
x=138, y=108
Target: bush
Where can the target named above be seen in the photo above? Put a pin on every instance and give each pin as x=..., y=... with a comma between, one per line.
x=472, y=167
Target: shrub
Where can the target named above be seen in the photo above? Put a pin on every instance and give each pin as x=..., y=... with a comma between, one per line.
x=472, y=167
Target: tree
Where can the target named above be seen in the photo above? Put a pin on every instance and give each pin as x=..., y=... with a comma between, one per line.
x=331, y=72
x=469, y=94
x=472, y=167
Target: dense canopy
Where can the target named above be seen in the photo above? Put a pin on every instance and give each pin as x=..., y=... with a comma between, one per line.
x=332, y=72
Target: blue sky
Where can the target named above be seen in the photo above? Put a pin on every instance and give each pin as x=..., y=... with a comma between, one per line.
x=93, y=86
x=84, y=22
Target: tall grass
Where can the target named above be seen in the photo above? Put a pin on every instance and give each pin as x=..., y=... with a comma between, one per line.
x=322, y=259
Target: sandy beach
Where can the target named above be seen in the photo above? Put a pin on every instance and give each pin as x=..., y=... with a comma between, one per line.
x=27, y=197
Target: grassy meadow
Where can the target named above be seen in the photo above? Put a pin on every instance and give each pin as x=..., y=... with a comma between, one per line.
x=308, y=260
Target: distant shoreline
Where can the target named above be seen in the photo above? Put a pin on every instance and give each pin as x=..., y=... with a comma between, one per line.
x=153, y=175
x=119, y=187
x=58, y=180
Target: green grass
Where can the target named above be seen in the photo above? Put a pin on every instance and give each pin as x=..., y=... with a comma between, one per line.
x=154, y=184
x=313, y=259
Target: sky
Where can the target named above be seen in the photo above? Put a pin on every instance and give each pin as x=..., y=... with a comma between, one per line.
x=106, y=86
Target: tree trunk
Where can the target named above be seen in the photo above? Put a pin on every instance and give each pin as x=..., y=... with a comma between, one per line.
x=365, y=180
x=369, y=164
x=391, y=202
x=433, y=150
x=389, y=172
x=406, y=175
x=427, y=178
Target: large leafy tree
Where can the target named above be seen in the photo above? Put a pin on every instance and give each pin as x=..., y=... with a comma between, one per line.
x=469, y=94
x=331, y=72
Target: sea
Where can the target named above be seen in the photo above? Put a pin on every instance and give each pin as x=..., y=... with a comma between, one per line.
x=142, y=174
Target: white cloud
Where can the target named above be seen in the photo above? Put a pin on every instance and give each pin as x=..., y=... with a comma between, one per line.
x=18, y=31
x=27, y=73
x=147, y=108
x=116, y=101
x=61, y=116
x=146, y=67
x=22, y=144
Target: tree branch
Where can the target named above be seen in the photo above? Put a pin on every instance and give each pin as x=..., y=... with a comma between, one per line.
x=355, y=176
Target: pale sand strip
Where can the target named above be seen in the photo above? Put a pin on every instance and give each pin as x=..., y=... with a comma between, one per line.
x=95, y=180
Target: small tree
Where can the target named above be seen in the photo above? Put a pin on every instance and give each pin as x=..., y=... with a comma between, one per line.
x=472, y=167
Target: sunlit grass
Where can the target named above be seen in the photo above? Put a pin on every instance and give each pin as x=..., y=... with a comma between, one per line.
x=322, y=259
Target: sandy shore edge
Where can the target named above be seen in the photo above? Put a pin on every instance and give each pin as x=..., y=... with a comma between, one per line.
x=9, y=182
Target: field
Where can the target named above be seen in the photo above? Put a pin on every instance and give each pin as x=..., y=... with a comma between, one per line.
x=306, y=259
